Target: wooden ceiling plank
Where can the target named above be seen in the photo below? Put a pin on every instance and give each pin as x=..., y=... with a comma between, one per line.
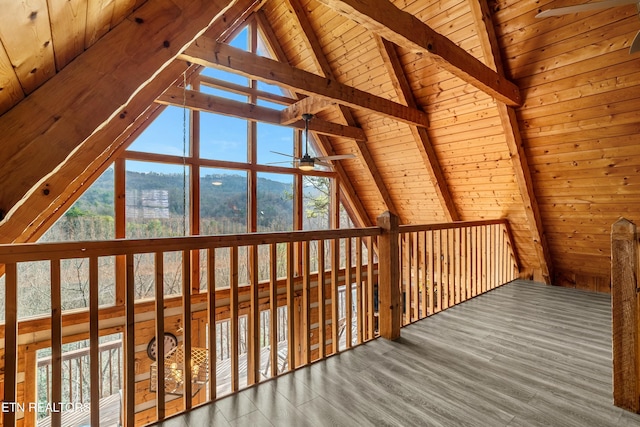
x=308, y=105
x=322, y=63
x=491, y=49
x=10, y=90
x=400, y=82
x=70, y=113
x=68, y=22
x=404, y=29
x=27, y=41
x=353, y=204
x=99, y=16
x=214, y=104
x=209, y=53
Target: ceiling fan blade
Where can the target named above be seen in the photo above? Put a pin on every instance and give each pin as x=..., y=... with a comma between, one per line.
x=321, y=163
x=635, y=45
x=337, y=157
x=584, y=7
x=283, y=154
x=290, y=162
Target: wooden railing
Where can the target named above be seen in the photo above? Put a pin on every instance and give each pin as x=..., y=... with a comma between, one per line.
x=362, y=274
x=625, y=309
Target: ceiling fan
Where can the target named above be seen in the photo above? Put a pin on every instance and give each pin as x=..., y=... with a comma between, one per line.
x=308, y=163
x=635, y=45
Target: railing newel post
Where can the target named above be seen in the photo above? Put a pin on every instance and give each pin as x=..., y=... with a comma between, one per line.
x=624, y=311
x=389, y=276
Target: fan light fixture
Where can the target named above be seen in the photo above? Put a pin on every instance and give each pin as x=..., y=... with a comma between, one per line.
x=306, y=162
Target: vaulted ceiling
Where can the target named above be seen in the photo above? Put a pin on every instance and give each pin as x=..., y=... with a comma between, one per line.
x=456, y=109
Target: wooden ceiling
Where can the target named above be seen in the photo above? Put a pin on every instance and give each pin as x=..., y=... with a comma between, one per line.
x=470, y=109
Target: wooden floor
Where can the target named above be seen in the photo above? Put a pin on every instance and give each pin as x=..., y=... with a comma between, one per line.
x=524, y=354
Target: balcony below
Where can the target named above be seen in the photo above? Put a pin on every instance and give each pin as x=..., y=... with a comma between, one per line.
x=524, y=354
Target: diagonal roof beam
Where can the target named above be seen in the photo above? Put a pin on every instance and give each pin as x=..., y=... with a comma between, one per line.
x=491, y=52
x=209, y=53
x=60, y=135
x=392, y=61
x=402, y=28
x=323, y=65
x=214, y=104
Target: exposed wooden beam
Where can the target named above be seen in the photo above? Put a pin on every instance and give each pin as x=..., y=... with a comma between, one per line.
x=210, y=53
x=392, y=61
x=308, y=105
x=72, y=121
x=385, y=19
x=214, y=104
x=362, y=150
x=353, y=204
x=491, y=52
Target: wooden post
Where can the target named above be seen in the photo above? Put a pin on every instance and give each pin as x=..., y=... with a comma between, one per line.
x=624, y=309
x=389, y=277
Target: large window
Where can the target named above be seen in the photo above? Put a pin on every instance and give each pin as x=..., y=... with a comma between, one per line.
x=190, y=173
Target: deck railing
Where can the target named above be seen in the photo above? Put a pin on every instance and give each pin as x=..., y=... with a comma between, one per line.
x=324, y=290
x=76, y=375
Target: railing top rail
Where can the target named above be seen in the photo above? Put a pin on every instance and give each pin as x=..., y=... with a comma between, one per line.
x=81, y=352
x=69, y=250
x=449, y=225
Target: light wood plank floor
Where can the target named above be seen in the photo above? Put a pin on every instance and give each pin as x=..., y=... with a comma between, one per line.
x=524, y=354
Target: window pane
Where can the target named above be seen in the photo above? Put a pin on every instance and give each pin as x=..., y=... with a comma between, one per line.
x=90, y=218
x=315, y=202
x=275, y=143
x=167, y=134
x=223, y=201
x=225, y=75
x=275, y=202
x=157, y=200
x=223, y=93
x=223, y=138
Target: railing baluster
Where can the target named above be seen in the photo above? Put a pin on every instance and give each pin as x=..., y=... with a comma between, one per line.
x=211, y=299
x=457, y=261
x=129, y=345
x=159, y=324
x=291, y=336
x=186, y=321
x=359, y=292
x=335, y=270
x=322, y=318
x=10, y=341
x=306, y=304
x=370, y=293
x=94, y=341
x=450, y=257
x=469, y=263
x=56, y=340
x=348, y=317
x=415, y=282
x=422, y=245
x=253, y=351
x=234, y=312
x=431, y=276
x=273, y=309
x=405, y=275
